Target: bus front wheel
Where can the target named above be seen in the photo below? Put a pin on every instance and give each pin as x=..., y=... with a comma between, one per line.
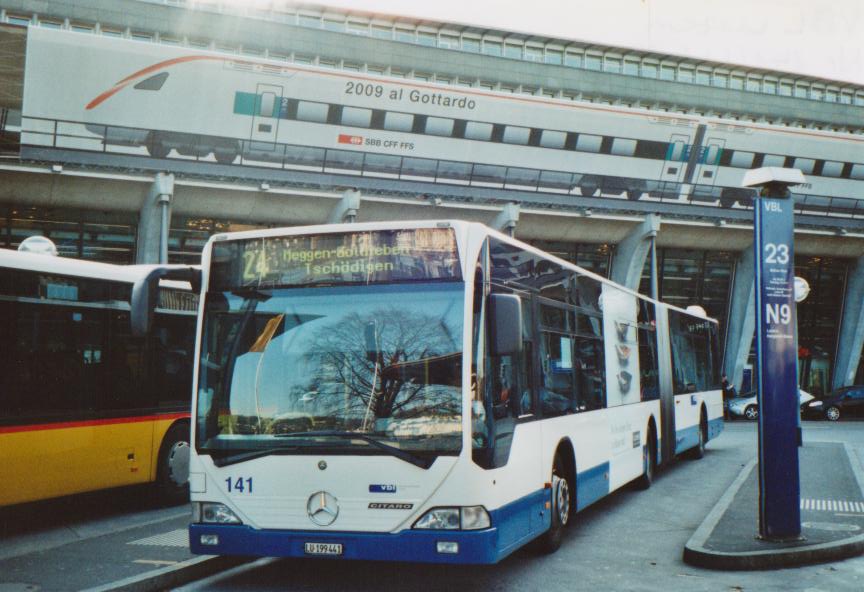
x=561, y=505
x=172, y=473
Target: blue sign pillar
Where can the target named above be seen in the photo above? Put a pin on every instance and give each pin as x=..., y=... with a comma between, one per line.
x=777, y=359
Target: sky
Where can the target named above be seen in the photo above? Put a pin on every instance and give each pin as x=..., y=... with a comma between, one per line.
x=820, y=38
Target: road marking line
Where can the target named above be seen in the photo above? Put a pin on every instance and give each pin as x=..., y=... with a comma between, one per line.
x=154, y=562
x=835, y=506
x=174, y=538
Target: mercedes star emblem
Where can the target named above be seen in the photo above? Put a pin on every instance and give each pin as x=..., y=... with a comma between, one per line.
x=322, y=508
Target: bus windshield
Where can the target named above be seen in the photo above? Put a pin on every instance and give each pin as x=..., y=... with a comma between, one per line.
x=297, y=370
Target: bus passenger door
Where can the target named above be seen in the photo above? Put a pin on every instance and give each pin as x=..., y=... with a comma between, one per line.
x=265, y=121
x=516, y=444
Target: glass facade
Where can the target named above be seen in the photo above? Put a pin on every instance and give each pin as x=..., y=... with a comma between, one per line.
x=99, y=236
x=686, y=276
x=106, y=236
x=593, y=257
x=819, y=320
x=187, y=236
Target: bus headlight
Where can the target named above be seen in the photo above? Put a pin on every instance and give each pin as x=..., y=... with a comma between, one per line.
x=213, y=513
x=467, y=518
x=475, y=518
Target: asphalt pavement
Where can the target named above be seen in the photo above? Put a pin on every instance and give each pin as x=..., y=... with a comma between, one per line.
x=118, y=540
x=112, y=540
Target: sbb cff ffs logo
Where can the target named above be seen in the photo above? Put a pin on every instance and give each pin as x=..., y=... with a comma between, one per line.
x=349, y=139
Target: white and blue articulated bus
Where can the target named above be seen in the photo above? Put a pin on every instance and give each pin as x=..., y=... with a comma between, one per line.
x=427, y=391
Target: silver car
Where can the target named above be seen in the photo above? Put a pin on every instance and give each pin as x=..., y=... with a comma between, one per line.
x=748, y=407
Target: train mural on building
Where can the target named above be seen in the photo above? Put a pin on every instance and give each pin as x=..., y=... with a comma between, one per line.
x=168, y=101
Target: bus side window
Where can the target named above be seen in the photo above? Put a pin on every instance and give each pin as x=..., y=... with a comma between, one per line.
x=172, y=352
x=511, y=393
x=589, y=354
x=557, y=391
x=648, y=363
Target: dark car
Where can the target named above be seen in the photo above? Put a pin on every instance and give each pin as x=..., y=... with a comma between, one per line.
x=843, y=402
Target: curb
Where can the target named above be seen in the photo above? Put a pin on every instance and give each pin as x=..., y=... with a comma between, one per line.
x=174, y=575
x=696, y=554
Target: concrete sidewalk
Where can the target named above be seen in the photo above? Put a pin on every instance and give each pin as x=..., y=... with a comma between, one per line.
x=832, y=516
x=128, y=551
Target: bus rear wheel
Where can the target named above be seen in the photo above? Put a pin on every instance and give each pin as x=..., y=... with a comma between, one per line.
x=172, y=473
x=550, y=541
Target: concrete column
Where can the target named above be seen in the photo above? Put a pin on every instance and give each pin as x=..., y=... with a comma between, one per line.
x=507, y=219
x=155, y=220
x=630, y=253
x=347, y=208
x=851, y=328
x=741, y=324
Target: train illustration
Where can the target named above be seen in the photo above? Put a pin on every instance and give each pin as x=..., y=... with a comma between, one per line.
x=177, y=102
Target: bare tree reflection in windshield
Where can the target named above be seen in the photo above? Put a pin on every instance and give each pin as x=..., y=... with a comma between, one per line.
x=305, y=364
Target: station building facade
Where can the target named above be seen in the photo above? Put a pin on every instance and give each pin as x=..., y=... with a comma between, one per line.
x=95, y=206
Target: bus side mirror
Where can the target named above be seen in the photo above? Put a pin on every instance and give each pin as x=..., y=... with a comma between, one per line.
x=505, y=324
x=145, y=294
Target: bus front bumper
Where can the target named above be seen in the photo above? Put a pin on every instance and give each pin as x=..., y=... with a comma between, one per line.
x=427, y=546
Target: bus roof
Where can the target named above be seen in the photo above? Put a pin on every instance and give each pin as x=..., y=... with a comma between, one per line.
x=80, y=268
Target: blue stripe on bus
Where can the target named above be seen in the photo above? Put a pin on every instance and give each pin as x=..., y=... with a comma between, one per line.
x=513, y=525
x=522, y=520
x=409, y=545
x=689, y=437
x=715, y=426
x=686, y=439
x=591, y=485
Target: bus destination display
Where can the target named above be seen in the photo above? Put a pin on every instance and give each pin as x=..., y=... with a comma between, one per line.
x=344, y=258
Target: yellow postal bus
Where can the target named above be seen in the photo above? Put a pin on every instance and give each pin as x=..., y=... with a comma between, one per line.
x=84, y=403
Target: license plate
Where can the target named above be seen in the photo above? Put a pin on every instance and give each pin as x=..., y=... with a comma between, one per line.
x=322, y=548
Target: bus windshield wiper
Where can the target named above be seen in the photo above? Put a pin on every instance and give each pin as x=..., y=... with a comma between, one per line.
x=416, y=460
x=233, y=459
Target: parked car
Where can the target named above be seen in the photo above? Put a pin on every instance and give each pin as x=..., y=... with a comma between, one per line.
x=747, y=407
x=847, y=400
